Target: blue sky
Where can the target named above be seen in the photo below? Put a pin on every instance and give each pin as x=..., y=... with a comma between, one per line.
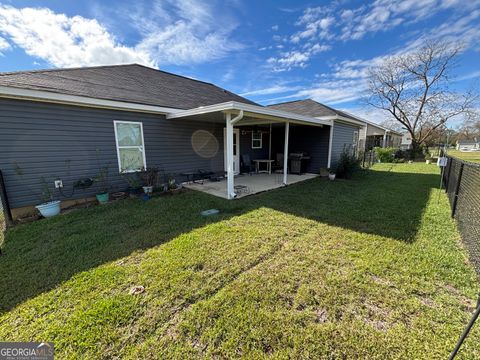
x=268, y=51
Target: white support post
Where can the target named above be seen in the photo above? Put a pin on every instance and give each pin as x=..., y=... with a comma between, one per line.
x=385, y=139
x=270, y=144
x=330, y=145
x=285, y=153
x=230, y=174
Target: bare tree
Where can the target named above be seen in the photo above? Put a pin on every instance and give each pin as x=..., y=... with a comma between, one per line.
x=414, y=89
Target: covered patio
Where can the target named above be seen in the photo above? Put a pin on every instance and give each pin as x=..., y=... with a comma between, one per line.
x=248, y=184
x=236, y=116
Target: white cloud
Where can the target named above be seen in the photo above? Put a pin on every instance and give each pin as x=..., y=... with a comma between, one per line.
x=296, y=58
x=275, y=27
x=4, y=45
x=276, y=89
x=171, y=33
x=64, y=41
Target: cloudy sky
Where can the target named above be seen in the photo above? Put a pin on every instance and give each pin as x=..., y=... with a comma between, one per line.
x=268, y=51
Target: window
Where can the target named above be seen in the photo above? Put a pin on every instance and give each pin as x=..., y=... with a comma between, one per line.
x=130, y=146
x=256, y=140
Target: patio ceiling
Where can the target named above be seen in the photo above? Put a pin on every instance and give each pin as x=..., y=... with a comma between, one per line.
x=252, y=115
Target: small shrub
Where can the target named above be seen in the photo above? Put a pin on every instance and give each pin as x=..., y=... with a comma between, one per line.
x=347, y=165
x=385, y=155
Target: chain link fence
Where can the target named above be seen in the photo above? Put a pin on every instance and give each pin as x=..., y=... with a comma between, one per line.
x=367, y=158
x=461, y=180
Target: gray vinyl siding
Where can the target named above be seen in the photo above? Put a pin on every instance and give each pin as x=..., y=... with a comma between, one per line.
x=314, y=141
x=246, y=143
x=311, y=139
x=59, y=141
x=342, y=138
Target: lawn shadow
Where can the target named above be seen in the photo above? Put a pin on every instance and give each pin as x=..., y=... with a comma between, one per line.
x=39, y=256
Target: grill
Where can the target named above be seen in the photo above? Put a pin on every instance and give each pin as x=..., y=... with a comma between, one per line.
x=298, y=162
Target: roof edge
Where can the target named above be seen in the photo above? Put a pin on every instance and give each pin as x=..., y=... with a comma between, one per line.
x=77, y=100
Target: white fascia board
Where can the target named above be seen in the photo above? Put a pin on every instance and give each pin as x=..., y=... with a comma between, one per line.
x=342, y=119
x=57, y=98
x=249, y=110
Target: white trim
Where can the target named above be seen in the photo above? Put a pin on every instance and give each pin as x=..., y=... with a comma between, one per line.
x=250, y=110
x=230, y=173
x=115, y=122
x=261, y=140
x=236, y=159
x=330, y=145
x=342, y=119
x=51, y=97
x=285, y=154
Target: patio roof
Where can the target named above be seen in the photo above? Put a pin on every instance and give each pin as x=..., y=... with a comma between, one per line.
x=252, y=114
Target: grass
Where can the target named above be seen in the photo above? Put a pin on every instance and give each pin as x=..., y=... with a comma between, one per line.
x=473, y=156
x=367, y=268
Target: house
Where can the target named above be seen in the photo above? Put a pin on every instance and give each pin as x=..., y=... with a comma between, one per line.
x=348, y=129
x=406, y=141
x=467, y=145
x=68, y=124
x=345, y=129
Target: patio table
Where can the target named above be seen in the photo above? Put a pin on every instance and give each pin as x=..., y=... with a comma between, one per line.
x=263, y=161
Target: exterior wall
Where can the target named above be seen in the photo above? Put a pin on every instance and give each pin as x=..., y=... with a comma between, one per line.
x=246, y=142
x=313, y=140
x=71, y=143
x=342, y=138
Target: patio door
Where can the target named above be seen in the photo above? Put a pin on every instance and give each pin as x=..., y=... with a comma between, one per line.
x=236, y=150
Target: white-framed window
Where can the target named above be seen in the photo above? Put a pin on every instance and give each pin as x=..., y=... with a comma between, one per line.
x=257, y=140
x=130, y=146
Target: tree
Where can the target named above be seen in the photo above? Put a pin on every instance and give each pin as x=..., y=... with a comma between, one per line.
x=414, y=89
x=470, y=128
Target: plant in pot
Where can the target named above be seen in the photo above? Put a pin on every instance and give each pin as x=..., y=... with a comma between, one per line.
x=172, y=184
x=149, y=177
x=331, y=174
x=134, y=184
x=49, y=207
x=102, y=180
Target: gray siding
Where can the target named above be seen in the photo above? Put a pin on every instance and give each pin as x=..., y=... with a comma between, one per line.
x=310, y=139
x=342, y=138
x=59, y=141
x=246, y=143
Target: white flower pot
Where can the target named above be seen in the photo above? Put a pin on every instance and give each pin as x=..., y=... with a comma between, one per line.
x=331, y=177
x=49, y=209
x=148, y=189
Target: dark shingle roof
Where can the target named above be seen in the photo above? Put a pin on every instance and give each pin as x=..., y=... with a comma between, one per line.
x=129, y=83
x=309, y=107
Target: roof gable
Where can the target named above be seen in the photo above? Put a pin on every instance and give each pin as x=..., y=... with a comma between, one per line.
x=128, y=83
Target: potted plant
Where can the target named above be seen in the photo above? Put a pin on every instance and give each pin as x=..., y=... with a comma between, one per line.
x=428, y=158
x=331, y=175
x=102, y=179
x=49, y=207
x=172, y=185
x=134, y=184
x=149, y=177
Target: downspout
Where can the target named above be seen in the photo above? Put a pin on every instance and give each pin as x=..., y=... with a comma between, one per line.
x=329, y=162
x=237, y=118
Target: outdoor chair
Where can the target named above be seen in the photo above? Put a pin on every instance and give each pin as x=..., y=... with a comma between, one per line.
x=247, y=165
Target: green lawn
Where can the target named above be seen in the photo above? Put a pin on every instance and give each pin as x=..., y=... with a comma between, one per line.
x=370, y=268
x=473, y=156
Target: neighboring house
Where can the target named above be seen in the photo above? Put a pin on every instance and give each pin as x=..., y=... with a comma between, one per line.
x=343, y=134
x=467, y=145
x=406, y=141
x=375, y=135
x=68, y=124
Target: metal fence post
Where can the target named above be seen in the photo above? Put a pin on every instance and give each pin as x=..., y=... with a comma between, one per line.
x=450, y=160
x=457, y=189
